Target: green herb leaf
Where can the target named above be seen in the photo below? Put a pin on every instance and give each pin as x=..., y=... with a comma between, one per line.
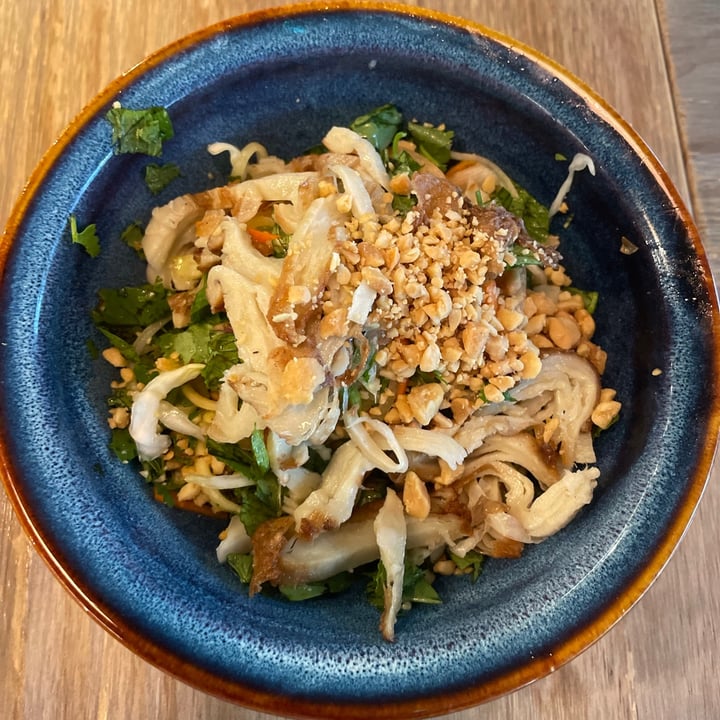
x=132, y=236
x=528, y=209
x=307, y=591
x=137, y=306
x=242, y=564
x=433, y=143
x=139, y=131
x=201, y=312
x=261, y=502
x=202, y=343
x=473, y=561
x=280, y=243
x=372, y=489
x=379, y=126
x=235, y=457
x=166, y=495
x=158, y=177
x=123, y=445
x=426, y=378
x=87, y=237
x=257, y=442
x=403, y=203
x=400, y=161
x=416, y=587
x=590, y=298
x=155, y=470
x=524, y=256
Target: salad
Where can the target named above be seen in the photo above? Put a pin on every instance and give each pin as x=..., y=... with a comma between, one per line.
x=369, y=359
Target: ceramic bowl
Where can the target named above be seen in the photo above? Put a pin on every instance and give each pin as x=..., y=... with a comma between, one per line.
x=148, y=573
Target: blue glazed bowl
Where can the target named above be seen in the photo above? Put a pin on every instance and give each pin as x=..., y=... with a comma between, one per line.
x=148, y=573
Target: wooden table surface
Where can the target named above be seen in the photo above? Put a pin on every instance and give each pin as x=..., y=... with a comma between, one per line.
x=658, y=64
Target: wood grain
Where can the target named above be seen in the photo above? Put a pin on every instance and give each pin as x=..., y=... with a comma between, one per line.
x=660, y=660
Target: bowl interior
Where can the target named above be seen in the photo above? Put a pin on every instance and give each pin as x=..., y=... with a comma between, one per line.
x=285, y=81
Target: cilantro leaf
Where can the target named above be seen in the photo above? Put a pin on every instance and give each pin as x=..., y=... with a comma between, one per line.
x=139, y=131
x=202, y=343
x=260, y=502
x=87, y=238
x=132, y=236
x=158, y=177
x=528, y=209
x=134, y=306
x=379, y=126
x=123, y=445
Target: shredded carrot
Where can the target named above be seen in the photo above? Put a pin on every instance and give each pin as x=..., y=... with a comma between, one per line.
x=401, y=387
x=261, y=236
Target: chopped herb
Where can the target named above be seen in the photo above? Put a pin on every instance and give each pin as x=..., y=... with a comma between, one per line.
x=524, y=256
x=316, y=462
x=351, y=396
x=164, y=494
x=425, y=378
x=372, y=489
x=260, y=453
x=242, y=564
x=416, y=586
x=560, y=157
x=132, y=236
x=126, y=349
x=403, y=203
x=525, y=206
x=200, y=310
x=472, y=562
x=87, y=237
x=379, y=126
x=507, y=397
x=280, y=242
x=399, y=161
x=597, y=430
x=132, y=306
x=139, y=131
x=154, y=470
x=123, y=445
x=433, y=143
x=307, y=591
x=202, y=343
x=158, y=177
x=235, y=457
x=259, y=503
x=590, y=298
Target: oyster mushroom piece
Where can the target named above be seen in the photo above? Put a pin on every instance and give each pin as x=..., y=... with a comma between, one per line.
x=354, y=544
x=171, y=228
x=391, y=537
x=574, y=387
x=345, y=141
x=148, y=408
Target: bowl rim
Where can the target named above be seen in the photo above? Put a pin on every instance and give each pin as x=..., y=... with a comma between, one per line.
x=535, y=668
